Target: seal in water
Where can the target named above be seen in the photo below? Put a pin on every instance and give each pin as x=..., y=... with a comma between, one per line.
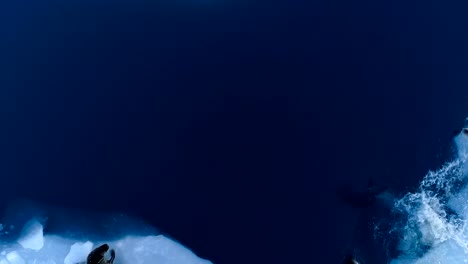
x=97, y=255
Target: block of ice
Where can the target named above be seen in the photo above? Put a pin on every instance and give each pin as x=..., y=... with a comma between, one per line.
x=14, y=258
x=35, y=246
x=132, y=249
x=78, y=252
x=153, y=249
x=32, y=235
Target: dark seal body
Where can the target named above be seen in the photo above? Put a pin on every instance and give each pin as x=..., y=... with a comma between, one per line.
x=97, y=256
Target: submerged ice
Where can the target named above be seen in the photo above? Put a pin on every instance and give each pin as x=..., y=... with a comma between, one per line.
x=33, y=245
x=434, y=227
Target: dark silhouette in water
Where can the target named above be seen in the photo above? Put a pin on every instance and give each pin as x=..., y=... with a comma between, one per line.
x=464, y=129
x=360, y=199
x=349, y=259
x=457, y=132
x=373, y=202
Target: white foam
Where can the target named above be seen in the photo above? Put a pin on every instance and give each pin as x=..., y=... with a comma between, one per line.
x=432, y=234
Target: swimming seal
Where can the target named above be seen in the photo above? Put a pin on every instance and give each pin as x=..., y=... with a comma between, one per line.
x=97, y=255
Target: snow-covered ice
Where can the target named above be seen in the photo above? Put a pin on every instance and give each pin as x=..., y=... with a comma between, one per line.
x=32, y=244
x=32, y=235
x=78, y=252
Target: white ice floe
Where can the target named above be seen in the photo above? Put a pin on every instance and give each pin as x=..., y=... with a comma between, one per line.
x=34, y=246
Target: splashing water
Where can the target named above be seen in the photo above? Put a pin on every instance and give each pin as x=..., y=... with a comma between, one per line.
x=434, y=227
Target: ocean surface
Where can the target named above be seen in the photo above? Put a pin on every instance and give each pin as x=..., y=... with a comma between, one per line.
x=231, y=126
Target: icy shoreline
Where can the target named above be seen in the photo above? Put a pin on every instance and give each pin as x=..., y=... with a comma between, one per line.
x=34, y=246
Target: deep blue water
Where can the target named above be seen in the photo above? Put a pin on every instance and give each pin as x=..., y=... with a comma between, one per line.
x=229, y=125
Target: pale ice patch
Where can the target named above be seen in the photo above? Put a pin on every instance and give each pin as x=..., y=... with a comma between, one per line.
x=78, y=252
x=14, y=258
x=35, y=246
x=131, y=249
x=32, y=235
x=153, y=249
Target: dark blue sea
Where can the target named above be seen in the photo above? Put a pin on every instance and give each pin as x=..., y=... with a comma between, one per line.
x=231, y=126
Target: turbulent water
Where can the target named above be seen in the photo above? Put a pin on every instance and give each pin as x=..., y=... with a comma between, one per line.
x=431, y=225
